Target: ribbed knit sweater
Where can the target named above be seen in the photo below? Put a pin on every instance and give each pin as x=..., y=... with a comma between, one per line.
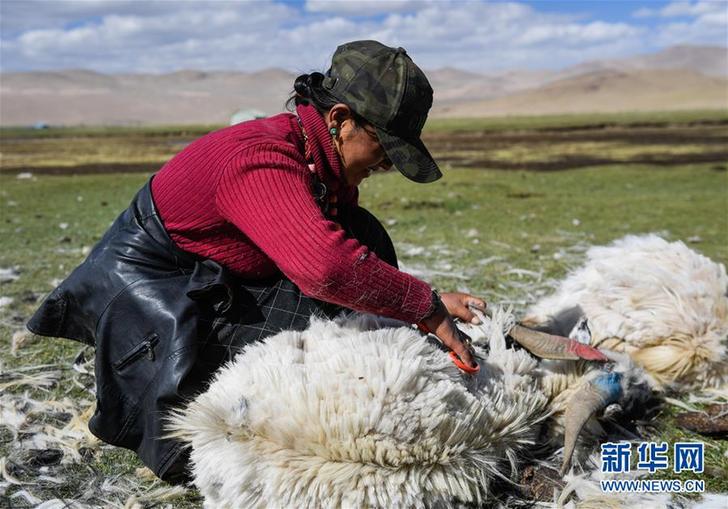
x=243, y=197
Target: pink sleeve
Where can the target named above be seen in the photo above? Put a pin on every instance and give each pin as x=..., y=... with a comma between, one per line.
x=266, y=193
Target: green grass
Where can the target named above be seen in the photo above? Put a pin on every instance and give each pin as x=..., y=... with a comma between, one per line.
x=8, y=133
x=520, y=209
x=518, y=122
x=716, y=465
x=468, y=216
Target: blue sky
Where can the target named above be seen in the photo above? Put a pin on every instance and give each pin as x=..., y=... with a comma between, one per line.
x=478, y=35
x=605, y=10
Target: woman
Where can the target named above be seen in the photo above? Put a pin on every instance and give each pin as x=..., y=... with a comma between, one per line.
x=250, y=230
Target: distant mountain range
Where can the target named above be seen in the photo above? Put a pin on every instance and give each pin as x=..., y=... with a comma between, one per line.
x=680, y=77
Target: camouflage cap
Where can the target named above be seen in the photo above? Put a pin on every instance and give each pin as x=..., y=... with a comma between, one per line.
x=385, y=87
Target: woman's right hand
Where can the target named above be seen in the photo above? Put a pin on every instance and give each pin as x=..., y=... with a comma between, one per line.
x=441, y=324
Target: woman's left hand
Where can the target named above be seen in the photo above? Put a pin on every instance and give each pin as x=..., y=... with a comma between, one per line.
x=457, y=305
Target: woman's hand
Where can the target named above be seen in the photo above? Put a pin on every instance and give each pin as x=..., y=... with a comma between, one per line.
x=458, y=305
x=441, y=324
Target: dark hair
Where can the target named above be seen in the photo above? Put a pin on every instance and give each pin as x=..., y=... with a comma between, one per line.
x=308, y=89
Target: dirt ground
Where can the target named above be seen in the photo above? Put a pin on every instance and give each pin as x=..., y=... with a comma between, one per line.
x=543, y=149
x=595, y=145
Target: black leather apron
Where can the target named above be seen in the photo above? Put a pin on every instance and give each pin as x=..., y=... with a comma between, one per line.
x=163, y=320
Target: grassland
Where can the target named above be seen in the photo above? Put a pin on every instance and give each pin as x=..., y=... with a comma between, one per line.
x=497, y=225
x=570, y=121
x=529, y=143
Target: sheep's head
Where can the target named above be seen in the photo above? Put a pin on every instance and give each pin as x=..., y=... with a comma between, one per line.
x=617, y=381
x=602, y=388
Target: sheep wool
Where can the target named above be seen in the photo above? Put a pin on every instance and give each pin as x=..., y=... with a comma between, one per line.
x=356, y=413
x=660, y=302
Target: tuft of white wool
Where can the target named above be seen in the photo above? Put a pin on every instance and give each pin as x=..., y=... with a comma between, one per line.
x=498, y=318
x=585, y=492
x=365, y=411
x=659, y=301
x=19, y=412
x=711, y=501
x=347, y=413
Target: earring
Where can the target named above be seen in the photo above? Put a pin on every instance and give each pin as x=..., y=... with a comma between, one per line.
x=333, y=131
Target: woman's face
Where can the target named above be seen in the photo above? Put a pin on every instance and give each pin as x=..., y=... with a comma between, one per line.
x=358, y=147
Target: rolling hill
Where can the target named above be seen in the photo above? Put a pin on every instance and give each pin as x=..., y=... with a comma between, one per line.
x=606, y=91
x=681, y=77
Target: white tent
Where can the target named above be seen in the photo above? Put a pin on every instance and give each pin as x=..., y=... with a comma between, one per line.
x=245, y=114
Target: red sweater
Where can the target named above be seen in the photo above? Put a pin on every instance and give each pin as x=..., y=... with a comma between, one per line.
x=242, y=196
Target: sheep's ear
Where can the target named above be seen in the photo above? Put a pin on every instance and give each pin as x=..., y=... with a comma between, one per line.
x=548, y=346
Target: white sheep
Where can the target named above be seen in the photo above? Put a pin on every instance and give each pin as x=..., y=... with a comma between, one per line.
x=660, y=302
x=360, y=413
x=368, y=412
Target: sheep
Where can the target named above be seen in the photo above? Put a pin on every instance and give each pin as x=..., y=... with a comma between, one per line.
x=368, y=412
x=660, y=302
x=363, y=411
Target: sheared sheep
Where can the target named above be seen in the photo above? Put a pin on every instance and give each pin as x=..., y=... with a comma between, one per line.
x=364, y=412
x=660, y=302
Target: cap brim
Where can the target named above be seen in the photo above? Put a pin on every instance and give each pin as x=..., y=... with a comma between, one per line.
x=410, y=157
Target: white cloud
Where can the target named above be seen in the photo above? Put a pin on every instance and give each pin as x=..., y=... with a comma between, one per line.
x=704, y=22
x=685, y=9
x=644, y=12
x=576, y=35
x=364, y=7
x=201, y=32
x=695, y=32
x=487, y=36
x=693, y=8
x=21, y=15
x=161, y=36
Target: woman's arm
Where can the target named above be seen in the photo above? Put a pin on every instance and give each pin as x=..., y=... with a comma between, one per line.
x=266, y=193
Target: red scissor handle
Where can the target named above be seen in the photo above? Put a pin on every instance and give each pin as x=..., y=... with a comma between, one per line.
x=453, y=356
x=462, y=366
